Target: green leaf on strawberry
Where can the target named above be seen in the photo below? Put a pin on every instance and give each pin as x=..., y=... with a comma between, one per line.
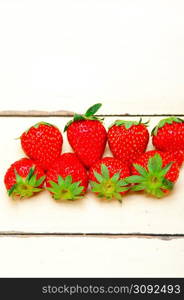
x=64, y=189
x=128, y=124
x=169, y=120
x=89, y=115
x=36, y=126
x=108, y=187
x=26, y=187
x=93, y=109
x=152, y=180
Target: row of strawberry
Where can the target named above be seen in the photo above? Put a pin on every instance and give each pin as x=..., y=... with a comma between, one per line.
x=66, y=176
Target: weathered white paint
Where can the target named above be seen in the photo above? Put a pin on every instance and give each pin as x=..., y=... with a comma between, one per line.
x=138, y=213
x=90, y=257
x=69, y=54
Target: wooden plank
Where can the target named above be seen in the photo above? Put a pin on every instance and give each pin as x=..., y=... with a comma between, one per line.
x=35, y=113
x=62, y=113
x=137, y=214
x=124, y=58
x=90, y=257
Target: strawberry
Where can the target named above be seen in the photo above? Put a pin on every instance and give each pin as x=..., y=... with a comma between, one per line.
x=168, y=135
x=128, y=139
x=42, y=143
x=87, y=136
x=67, y=178
x=24, y=178
x=107, y=178
x=155, y=172
x=178, y=156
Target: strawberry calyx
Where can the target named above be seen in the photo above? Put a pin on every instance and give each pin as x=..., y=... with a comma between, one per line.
x=129, y=124
x=38, y=124
x=108, y=187
x=42, y=123
x=26, y=187
x=162, y=122
x=89, y=115
x=152, y=180
x=64, y=189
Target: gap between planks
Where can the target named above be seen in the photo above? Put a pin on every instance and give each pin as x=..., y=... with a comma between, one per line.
x=164, y=236
x=35, y=113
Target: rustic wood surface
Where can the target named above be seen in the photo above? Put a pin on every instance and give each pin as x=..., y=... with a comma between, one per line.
x=138, y=213
x=127, y=54
x=142, y=237
x=59, y=57
x=91, y=257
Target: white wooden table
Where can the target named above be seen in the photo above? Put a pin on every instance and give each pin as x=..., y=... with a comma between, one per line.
x=112, y=52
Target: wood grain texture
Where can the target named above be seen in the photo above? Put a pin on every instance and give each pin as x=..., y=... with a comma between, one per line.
x=62, y=113
x=90, y=257
x=35, y=113
x=41, y=214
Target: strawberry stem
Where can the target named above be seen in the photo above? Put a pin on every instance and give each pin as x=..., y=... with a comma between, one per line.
x=108, y=187
x=89, y=115
x=26, y=187
x=129, y=124
x=66, y=189
x=152, y=179
x=38, y=124
x=162, y=122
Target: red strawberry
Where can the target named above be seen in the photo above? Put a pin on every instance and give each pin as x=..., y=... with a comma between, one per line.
x=107, y=178
x=67, y=178
x=42, y=143
x=178, y=156
x=87, y=136
x=128, y=139
x=168, y=135
x=24, y=178
x=155, y=172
